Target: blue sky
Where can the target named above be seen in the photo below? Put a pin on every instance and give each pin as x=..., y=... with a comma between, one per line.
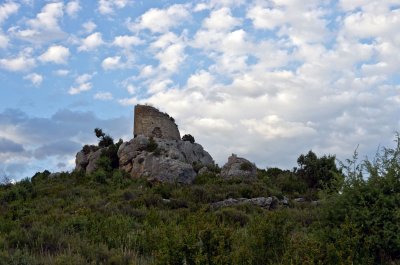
x=265, y=79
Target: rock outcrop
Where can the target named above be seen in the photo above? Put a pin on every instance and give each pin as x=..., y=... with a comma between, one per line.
x=264, y=202
x=86, y=160
x=150, y=122
x=162, y=160
x=238, y=167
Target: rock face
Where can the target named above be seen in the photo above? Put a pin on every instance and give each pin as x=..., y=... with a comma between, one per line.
x=87, y=162
x=162, y=159
x=264, y=202
x=150, y=122
x=238, y=167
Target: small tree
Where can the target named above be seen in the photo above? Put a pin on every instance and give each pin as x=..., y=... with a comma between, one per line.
x=188, y=137
x=105, y=140
x=318, y=173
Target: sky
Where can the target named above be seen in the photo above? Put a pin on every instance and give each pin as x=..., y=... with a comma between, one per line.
x=265, y=79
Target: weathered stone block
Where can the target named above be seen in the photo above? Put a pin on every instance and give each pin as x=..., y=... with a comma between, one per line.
x=150, y=122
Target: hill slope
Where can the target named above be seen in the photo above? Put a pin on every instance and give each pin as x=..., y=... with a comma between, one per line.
x=107, y=218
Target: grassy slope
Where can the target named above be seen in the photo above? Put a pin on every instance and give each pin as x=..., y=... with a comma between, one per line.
x=107, y=218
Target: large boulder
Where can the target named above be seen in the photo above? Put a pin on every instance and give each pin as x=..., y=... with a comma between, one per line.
x=238, y=167
x=162, y=159
x=86, y=159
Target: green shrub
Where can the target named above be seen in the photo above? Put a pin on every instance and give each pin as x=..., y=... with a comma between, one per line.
x=100, y=176
x=205, y=178
x=246, y=166
x=189, y=138
x=232, y=216
x=152, y=145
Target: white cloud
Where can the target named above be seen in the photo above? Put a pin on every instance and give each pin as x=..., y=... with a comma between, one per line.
x=61, y=72
x=221, y=20
x=205, y=5
x=272, y=127
x=84, y=78
x=159, y=85
x=367, y=5
x=103, y=96
x=79, y=88
x=165, y=40
x=48, y=18
x=44, y=27
x=202, y=80
x=161, y=20
x=7, y=9
x=128, y=101
x=266, y=18
x=35, y=78
x=91, y=42
x=112, y=63
x=108, y=6
x=371, y=24
x=56, y=54
x=4, y=40
x=303, y=22
x=171, y=57
x=82, y=83
x=126, y=41
x=21, y=63
x=73, y=8
x=89, y=26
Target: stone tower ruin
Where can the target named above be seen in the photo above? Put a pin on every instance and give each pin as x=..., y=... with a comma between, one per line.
x=151, y=122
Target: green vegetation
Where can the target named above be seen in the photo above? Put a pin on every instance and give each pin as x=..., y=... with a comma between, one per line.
x=107, y=218
x=246, y=166
x=188, y=137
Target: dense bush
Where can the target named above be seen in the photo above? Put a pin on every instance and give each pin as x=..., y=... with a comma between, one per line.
x=319, y=172
x=188, y=137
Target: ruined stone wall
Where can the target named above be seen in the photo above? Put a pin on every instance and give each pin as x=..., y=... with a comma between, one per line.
x=151, y=122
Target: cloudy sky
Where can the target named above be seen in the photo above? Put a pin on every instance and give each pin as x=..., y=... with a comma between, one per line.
x=265, y=79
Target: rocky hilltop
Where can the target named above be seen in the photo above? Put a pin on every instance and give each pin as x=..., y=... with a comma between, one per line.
x=157, y=152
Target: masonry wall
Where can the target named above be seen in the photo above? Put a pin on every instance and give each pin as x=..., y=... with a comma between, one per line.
x=149, y=121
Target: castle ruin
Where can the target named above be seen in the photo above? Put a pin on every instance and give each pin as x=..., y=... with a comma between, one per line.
x=150, y=122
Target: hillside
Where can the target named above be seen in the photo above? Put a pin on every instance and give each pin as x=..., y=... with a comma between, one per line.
x=106, y=217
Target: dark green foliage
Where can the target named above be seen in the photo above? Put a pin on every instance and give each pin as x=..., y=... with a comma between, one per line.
x=99, y=132
x=189, y=138
x=152, y=145
x=89, y=148
x=105, y=140
x=370, y=207
x=246, y=166
x=108, y=218
x=207, y=177
x=111, y=153
x=318, y=173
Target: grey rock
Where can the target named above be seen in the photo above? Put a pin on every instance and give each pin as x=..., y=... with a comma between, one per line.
x=81, y=161
x=93, y=158
x=225, y=203
x=161, y=168
x=264, y=202
x=87, y=162
x=203, y=170
x=261, y=201
x=54, y=175
x=299, y=199
x=194, y=153
x=172, y=161
x=239, y=167
x=315, y=203
x=285, y=200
